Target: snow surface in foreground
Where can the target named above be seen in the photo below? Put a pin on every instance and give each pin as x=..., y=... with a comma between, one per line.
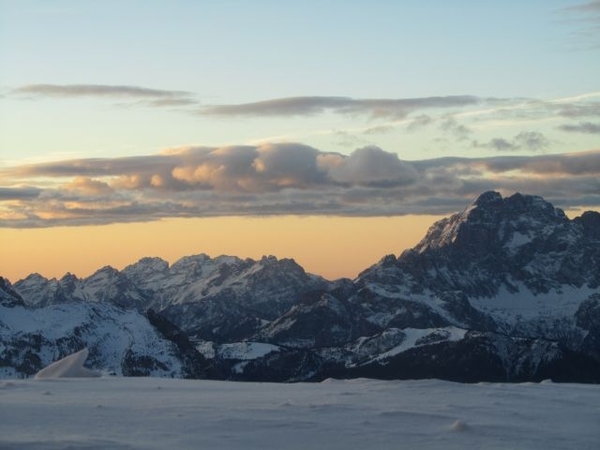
x=155, y=413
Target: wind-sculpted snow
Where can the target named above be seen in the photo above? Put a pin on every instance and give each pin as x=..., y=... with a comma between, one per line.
x=70, y=366
x=151, y=413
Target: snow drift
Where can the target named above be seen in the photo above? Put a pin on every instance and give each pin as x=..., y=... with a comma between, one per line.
x=68, y=367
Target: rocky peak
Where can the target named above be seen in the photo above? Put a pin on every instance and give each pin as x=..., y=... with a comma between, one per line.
x=201, y=266
x=488, y=199
x=190, y=263
x=147, y=265
x=37, y=290
x=268, y=259
x=590, y=223
x=35, y=278
x=8, y=297
x=281, y=266
x=492, y=221
x=69, y=278
x=496, y=242
x=104, y=272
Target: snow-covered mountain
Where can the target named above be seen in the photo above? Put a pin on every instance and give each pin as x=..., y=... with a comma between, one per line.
x=120, y=341
x=225, y=298
x=508, y=289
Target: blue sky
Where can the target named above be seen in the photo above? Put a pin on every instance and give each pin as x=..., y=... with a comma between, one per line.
x=362, y=89
x=244, y=51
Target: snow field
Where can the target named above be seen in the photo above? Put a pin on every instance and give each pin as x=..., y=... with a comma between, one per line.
x=154, y=413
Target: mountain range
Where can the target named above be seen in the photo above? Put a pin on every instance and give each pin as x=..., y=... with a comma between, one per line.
x=506, y=290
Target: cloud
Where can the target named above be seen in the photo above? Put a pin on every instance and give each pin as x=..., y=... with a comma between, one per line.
x=19, y=193
x=501, y=145
x=531, y=140
x=582, y=127
x=513, y=112
x=459, y=131
x=587, y=16
x=285, y=106
x=303, y=106
x=371, y=166
x=419, y=122
x=88, y=186
x=525, y=140
x=593, y=7
x=561, y=165
x=281, y=178
x=151, y=97
x=579, y=107
x=577, y=110
x=347, y=139
x=380, y=129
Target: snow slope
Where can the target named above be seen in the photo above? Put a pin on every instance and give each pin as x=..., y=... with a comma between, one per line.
x=150, y=413
x=120, y=341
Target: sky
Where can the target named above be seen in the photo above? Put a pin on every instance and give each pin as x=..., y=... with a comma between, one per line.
x=330, y=132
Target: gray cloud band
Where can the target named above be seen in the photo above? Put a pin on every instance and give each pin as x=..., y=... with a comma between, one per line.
x=87, y=90
x=279, y=179
x=146, y=96
x=582, y=127
x=291, y=106
x=391, y=108
x=287, y=106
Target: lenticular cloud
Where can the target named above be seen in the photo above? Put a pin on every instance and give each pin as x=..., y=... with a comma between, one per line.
x=68, y=367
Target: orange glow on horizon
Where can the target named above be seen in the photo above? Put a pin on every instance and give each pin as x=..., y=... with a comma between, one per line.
x=333, y=247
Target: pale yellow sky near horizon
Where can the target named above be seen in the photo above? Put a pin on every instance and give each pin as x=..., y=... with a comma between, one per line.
x=333, y=247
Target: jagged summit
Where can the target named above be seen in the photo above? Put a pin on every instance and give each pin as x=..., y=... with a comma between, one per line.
x=488, y=198
x=68, y=277
x=491, y=218
x=590, y=221
x=497, y=243
x=148, y=263
x=192, y=292
x=8, y=297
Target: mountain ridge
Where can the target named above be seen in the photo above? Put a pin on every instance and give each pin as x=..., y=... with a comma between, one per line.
x=506, y=290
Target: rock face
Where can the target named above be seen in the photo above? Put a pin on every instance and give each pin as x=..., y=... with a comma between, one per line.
x=506, y=290
x=520, y=241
